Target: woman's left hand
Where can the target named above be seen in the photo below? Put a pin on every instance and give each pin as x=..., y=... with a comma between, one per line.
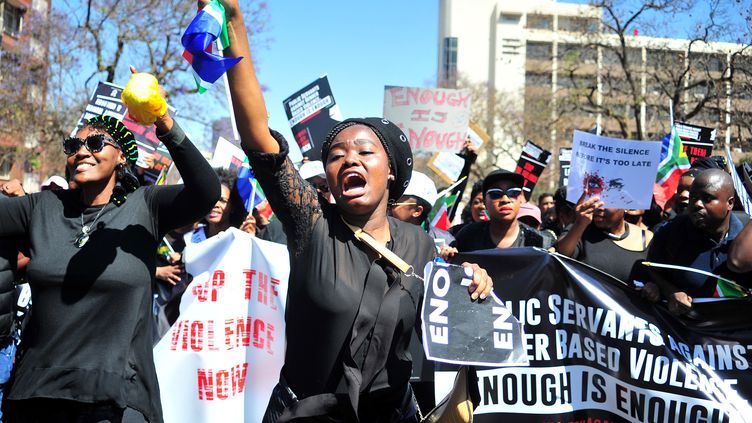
x=482, y=284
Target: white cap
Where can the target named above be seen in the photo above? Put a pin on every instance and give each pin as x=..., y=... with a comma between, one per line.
x=310, y=169
x=55, y=180
x=422, y=186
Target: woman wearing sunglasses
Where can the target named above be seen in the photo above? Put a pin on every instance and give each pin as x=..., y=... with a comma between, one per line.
x=350, y=309
x=86, y=353
x=503, y=195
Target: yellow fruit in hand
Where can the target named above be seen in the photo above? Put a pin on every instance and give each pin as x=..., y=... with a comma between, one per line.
x=143, y=99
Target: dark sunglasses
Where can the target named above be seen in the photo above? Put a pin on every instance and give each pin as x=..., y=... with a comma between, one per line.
x=498, y=193
x=94, y=143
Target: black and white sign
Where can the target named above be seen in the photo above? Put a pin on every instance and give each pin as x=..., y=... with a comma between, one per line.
x=460, y=331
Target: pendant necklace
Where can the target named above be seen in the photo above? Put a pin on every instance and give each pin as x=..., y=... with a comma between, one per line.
x=83, y=237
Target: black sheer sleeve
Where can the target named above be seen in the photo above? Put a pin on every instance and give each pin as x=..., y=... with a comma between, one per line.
x=179, y=205
x=294, y=200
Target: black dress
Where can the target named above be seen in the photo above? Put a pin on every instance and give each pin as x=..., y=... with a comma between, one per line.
x=349, y=317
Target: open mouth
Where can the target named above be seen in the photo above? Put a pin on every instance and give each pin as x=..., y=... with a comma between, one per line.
x=353, y=185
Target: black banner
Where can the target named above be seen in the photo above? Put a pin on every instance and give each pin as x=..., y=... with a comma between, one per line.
x=565, y=163
x=312, y=113
x=106, y=100
x=698, y=141
x=458, y=330
x=531, y=163
x=599, y=352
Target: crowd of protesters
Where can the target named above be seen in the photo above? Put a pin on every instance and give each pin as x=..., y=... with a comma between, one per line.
x=100, y=244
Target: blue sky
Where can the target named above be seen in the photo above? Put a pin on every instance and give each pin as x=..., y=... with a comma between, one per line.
x=362, y=46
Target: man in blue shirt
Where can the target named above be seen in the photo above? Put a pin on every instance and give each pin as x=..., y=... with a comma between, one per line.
x=700, y=240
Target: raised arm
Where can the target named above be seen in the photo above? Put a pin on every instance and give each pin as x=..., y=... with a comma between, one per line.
x=179, y=205
x=567, y=244
x=251, y=116
x=293, y=200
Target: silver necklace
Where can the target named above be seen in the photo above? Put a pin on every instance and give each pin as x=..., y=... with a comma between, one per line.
x=83, y=237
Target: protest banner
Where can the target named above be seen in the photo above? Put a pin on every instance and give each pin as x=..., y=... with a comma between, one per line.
x=599, y=352
x=449, y=165
x=433, y=119
x=698, y=141
x=311, y=113
x=533, y=159
x=457, y=330
x=221, y=359
x=106, y=101
x=565, y=162
x=620, y=172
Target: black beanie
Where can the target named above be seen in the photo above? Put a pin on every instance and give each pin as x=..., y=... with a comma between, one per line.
x=395, y=143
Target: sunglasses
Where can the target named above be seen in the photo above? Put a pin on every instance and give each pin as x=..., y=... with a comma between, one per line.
x=498, y=193
x=94, y=143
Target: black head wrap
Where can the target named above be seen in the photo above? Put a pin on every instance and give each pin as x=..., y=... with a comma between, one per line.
x=126, y=180
x=395, y=143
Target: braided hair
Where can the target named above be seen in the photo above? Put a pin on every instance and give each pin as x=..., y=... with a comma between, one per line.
x=126, y=180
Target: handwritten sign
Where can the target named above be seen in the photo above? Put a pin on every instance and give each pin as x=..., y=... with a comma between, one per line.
x=312, y=112
x=456, y=330
x=620, y=172
x=434, y=119
x=533, y=159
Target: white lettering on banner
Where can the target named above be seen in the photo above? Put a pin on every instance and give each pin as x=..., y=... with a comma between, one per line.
x=608, y=323
x=221, y=359
x=556, y=390
x=502, y=329
x=438, y=321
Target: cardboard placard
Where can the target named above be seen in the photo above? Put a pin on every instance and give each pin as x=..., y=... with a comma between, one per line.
x=433, y=119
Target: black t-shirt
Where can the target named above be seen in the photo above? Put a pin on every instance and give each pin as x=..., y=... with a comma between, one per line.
x=89, y=337
x=477, y=236
x=349, y=318
x=598, y=250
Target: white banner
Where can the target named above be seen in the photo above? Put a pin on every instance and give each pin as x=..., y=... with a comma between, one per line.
x=221, y=359
x=620, y=172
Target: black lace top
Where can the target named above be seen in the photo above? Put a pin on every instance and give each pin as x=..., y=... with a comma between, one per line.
x=349, y=318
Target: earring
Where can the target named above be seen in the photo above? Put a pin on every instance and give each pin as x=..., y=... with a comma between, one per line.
x=391, y=177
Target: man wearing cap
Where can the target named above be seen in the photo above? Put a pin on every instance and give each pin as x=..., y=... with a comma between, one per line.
x=415, y=205
x=502, y=192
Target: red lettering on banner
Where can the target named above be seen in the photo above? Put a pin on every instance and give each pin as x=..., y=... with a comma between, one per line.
x=263, y=288
x=269, y=338
x=275, y=293
x=207, y=290
x=439, y=117
x=199, y=335
x=420, y=115
x=175, y=335
x=398, y=97
x=248, y=282
x=221, y=384
x=258, y=329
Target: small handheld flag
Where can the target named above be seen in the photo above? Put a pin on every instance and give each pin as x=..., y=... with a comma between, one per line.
x=208, y=26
